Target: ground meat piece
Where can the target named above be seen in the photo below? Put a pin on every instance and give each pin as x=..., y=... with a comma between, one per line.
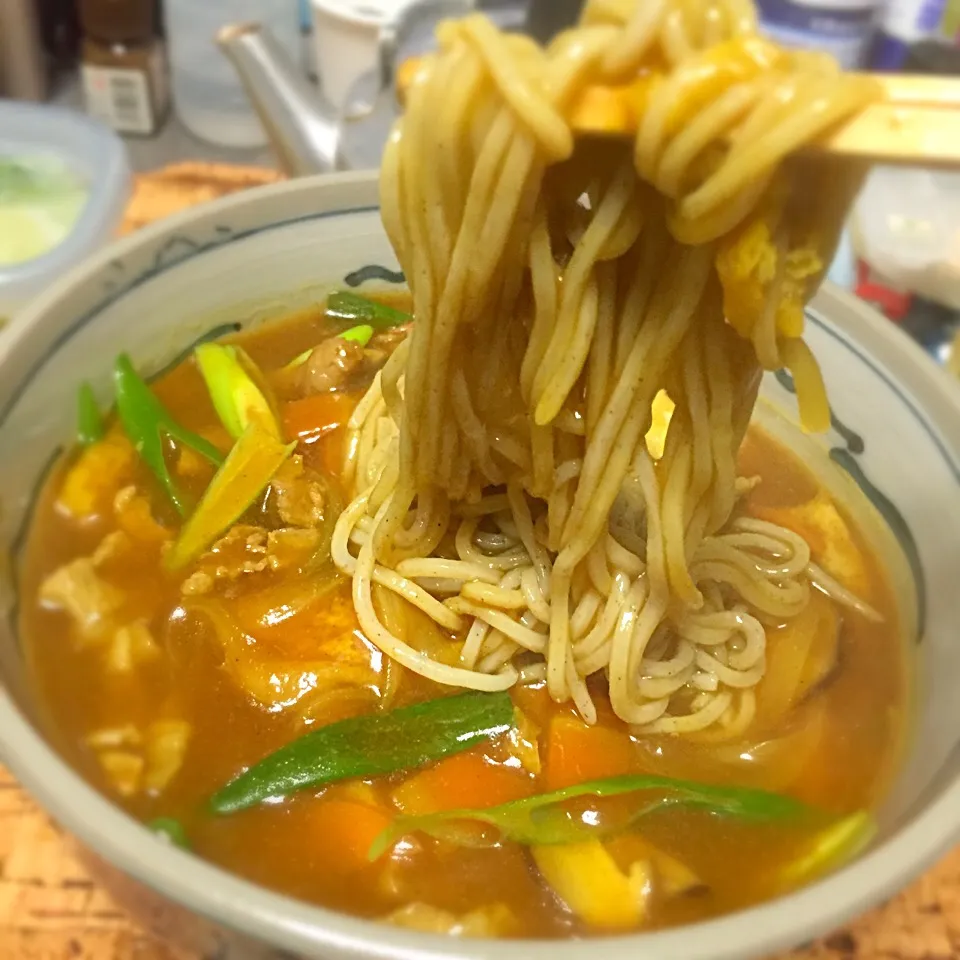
x=330, y=365
x=257, y=542
x=381, y=345
x=290, y=546
x=197, y=584
x=389, y=339
x=244, y=550
x=132, y=645
x=246, y=533
x=134, y=516
x=299, y=496
x=241, y=550
x=116, y=545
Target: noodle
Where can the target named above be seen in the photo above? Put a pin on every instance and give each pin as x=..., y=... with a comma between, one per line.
x=501, y=479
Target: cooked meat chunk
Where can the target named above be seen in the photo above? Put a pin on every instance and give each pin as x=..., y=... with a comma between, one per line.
x=115, y=548
x=166, y=747
x=492, y=920
x=134, y=516
x=241, y=550
x=77, y=589
x=382, y=344
x=134, y=760
x=247, y=550
x=123, y=769
x=330, y=365
x=389, y=339
x=299, y=495
x=132, y=645
x=290, y=546
x=244, y=536
x=197, y=584
x=338, y=364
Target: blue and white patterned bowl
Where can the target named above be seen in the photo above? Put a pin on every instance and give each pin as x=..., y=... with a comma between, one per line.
x=896, y=433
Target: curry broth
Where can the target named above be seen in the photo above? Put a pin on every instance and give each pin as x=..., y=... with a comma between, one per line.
x=836, y=749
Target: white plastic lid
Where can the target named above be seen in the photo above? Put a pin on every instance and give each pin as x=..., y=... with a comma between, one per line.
x=906, y=226
x=99, y=159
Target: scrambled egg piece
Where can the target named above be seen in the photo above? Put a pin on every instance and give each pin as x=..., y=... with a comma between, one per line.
x=662, y=410
x=747, y=266
x=91, y=482
x=79, y=591
x=588, y=880
x=136, y=760
x=831, y=544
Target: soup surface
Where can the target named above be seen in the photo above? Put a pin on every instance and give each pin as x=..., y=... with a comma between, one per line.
x=161, y=686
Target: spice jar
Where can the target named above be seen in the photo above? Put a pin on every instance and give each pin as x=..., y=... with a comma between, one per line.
x=124, y=66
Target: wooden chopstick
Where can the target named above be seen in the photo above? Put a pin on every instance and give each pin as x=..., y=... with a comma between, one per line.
x=919, y=90
x=902, y=133
x=917, y=122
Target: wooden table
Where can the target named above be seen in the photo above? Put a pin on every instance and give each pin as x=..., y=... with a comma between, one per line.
x=51, y=909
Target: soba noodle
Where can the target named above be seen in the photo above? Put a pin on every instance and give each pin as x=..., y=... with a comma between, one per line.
x=563, y=291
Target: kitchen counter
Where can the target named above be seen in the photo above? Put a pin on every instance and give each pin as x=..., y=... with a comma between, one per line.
x=173, y=144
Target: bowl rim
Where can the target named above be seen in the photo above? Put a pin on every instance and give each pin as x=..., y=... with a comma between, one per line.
x=281, y=921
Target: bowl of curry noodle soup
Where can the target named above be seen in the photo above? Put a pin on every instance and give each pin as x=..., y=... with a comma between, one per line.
x=144, y=700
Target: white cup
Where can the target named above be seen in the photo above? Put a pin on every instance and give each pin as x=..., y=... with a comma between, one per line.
x=345, y=38
x=348, y=36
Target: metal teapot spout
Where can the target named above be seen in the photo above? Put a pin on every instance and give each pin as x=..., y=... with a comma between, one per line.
x=306, y=131
x=302, y=127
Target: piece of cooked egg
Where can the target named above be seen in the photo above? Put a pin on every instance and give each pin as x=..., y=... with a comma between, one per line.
x=661, y=411
x=821, y=524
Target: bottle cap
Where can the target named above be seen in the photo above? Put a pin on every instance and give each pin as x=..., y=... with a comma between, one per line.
x=118, y=21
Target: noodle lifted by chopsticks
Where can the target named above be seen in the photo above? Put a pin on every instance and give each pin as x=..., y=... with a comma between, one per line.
x=563, y=292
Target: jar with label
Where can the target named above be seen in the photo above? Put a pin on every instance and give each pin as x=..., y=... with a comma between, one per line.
x=124, y=68
x=842, y=28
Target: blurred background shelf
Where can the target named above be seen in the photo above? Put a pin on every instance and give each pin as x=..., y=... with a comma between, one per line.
x=172, y=144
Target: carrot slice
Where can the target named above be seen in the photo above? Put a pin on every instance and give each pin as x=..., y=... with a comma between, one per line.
x=577, y=753
x=465, y=780
x=347, y=829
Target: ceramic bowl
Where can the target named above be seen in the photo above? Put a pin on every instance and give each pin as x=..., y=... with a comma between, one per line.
x=896, y=433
